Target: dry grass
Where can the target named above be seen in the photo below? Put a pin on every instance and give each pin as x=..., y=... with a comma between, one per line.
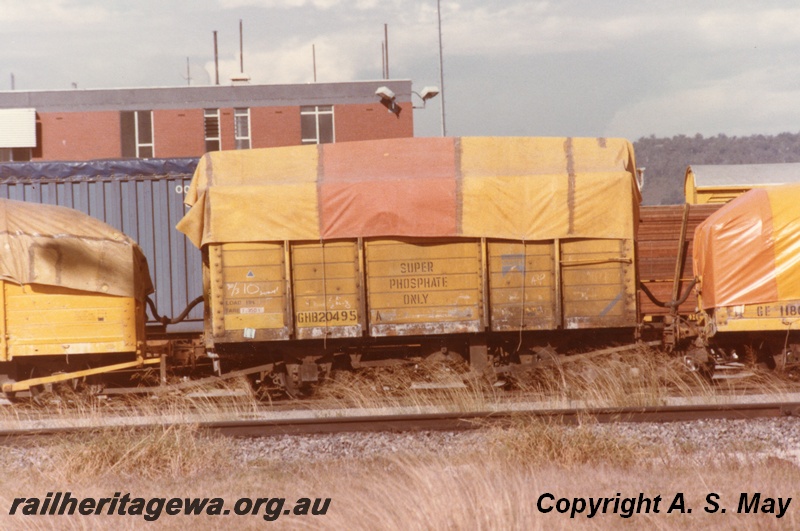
x=533, y=442
x=146, y=454
x=642, y=377
x=637, y=378
x=491, y=485
x=222, y=401
x=494, y=485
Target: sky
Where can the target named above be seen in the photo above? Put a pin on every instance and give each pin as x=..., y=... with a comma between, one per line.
x=619, y=68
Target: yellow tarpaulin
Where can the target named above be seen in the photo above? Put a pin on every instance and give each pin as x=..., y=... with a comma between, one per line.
x=517, y=188
x=57, y=246
x=748, y=252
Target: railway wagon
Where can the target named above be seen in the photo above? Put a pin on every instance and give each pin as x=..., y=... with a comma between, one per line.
x=747, y=264
x=486, y=247
x=72, y=297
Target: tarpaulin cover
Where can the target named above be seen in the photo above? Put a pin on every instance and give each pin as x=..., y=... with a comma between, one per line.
x=499, y=187
x=92, y=169
x=748, y=252
x=57, y=246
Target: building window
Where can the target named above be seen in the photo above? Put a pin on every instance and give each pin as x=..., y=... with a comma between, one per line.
x=137, y=134
x=213, y=138
x=316, y=124
x=241, y=128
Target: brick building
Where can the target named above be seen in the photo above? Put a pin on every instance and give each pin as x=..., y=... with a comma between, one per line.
x=82, y=125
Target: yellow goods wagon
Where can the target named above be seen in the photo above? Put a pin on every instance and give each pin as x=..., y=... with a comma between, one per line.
x=745, y=259
x=72, y=296
x=762, y=292
x=40, y=320
x=247, y=291
x=420, y=237
x=425, y=287
x=326, y=289
x=719, y=184
x=568, y=284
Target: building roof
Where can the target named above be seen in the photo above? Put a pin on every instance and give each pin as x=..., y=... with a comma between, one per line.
x=121, y=99
x=743, y=175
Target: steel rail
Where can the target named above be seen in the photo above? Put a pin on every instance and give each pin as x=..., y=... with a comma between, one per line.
x=445, y=421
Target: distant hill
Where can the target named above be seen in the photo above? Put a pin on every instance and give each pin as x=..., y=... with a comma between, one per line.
x=665, y=159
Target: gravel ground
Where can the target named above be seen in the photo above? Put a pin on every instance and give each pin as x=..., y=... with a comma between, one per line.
x=777, y=437
x=780, y=437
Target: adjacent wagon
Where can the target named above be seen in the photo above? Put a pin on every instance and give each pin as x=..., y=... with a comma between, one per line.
x=72, y=296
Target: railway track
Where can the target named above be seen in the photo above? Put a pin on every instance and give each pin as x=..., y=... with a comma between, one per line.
x=340, y=421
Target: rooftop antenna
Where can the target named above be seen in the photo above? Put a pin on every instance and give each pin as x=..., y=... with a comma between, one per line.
x=216, y=60
x=314, y=60
x=188, y=77
x=383, y=60
x=241, y=49
x=241, y=78
x=441, y=68
x=386, y=49
x=12, y=81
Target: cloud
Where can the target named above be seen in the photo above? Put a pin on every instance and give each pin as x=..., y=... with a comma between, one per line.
x=533, y=28
x=736, y=28
x=340, y=59
x=292, y=4
x=51, y=14
x=764, y=100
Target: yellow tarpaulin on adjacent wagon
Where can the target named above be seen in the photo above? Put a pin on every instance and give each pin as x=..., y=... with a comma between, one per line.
x=516, y=188
x=57, y=246
x=748, y=252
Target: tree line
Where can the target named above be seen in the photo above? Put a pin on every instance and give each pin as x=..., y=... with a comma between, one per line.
x=665, y=159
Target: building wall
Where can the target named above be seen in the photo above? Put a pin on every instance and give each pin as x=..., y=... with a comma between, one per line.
x=79, y=136
x=372, y=121
x=274, y=126
x=85, y=124
x=178, y=133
